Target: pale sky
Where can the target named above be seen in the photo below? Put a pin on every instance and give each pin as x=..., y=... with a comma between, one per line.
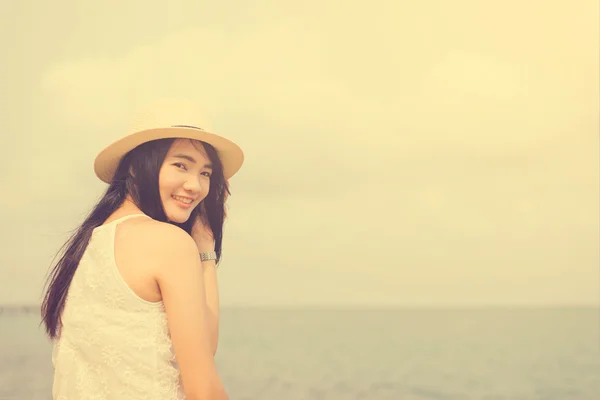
x=398, y=153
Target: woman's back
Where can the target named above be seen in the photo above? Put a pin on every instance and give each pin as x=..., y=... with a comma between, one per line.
x=113, y=343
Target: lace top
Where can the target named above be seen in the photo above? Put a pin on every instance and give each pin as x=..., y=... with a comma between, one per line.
x=112, y=343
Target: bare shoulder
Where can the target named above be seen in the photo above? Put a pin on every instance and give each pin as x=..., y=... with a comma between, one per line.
x=166, y=242
x=146, y=249
x=166, y=247
x=152, y=242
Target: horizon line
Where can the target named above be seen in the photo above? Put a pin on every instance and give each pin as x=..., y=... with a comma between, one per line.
x=29, y=306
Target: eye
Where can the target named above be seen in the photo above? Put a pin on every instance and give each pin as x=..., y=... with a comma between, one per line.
x=208, y=174
x=180, y=165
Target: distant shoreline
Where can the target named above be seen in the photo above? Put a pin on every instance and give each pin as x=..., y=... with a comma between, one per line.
x=36, y=309
x=19, y=309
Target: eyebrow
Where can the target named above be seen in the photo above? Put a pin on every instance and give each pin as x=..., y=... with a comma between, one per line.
x=192, y=160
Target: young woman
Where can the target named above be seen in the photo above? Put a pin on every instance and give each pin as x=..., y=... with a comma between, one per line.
x=132, y=305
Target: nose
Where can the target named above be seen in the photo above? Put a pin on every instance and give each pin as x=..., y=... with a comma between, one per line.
x=193, y=185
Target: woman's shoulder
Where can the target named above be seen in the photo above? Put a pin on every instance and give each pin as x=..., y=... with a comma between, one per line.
x=162, y=237
x=156, y=231
x=162, y=246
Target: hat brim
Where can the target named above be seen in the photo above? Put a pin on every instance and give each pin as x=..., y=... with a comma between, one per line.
x=107, y=161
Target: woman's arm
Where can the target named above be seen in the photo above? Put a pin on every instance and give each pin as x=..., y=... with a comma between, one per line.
x=202, y=235
x=212, y=301
x=180, y=277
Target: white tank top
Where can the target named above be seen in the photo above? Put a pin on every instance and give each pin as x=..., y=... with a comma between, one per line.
x=113, y=344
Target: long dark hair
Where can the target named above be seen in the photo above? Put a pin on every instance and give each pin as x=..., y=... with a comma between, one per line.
x=137, y=176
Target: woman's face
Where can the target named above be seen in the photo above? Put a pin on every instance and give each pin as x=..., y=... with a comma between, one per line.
x=184, y=179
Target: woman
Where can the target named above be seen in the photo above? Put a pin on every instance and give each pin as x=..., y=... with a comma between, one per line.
x=132, y=305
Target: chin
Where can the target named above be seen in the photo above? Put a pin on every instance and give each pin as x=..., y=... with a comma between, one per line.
x=175, y=213
x=177, y=220
x=178, y=217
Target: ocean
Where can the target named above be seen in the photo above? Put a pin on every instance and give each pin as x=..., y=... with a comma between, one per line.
x=374, y=354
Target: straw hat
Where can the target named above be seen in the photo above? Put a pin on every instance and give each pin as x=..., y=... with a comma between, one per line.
x=168, y=119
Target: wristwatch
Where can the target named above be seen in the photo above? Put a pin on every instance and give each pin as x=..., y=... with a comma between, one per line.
x=208, y=256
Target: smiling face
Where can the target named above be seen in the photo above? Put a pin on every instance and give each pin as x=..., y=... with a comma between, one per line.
x=184, y=179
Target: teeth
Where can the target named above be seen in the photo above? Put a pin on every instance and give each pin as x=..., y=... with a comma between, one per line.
x=183, y=200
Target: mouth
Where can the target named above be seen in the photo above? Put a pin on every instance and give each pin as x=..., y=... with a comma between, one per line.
x=182, y=201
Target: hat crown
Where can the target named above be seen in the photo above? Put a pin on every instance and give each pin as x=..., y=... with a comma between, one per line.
x=166, y=113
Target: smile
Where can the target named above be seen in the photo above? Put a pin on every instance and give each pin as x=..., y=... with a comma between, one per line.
x=182, y=199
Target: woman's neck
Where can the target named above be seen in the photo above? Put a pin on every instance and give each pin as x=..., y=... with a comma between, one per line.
x=128, y=207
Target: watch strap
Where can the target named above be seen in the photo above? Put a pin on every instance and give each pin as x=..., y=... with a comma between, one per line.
x=208, y=256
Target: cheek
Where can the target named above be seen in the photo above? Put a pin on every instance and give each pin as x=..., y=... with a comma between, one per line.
x=205, y=188
x=167, y=182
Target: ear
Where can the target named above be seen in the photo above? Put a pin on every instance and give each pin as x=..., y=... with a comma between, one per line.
x=131, y=171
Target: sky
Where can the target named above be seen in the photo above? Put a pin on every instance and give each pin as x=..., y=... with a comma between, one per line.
x=415, y=153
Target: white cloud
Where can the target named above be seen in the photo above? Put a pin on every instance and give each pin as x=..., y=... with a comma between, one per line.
x=281, y=75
